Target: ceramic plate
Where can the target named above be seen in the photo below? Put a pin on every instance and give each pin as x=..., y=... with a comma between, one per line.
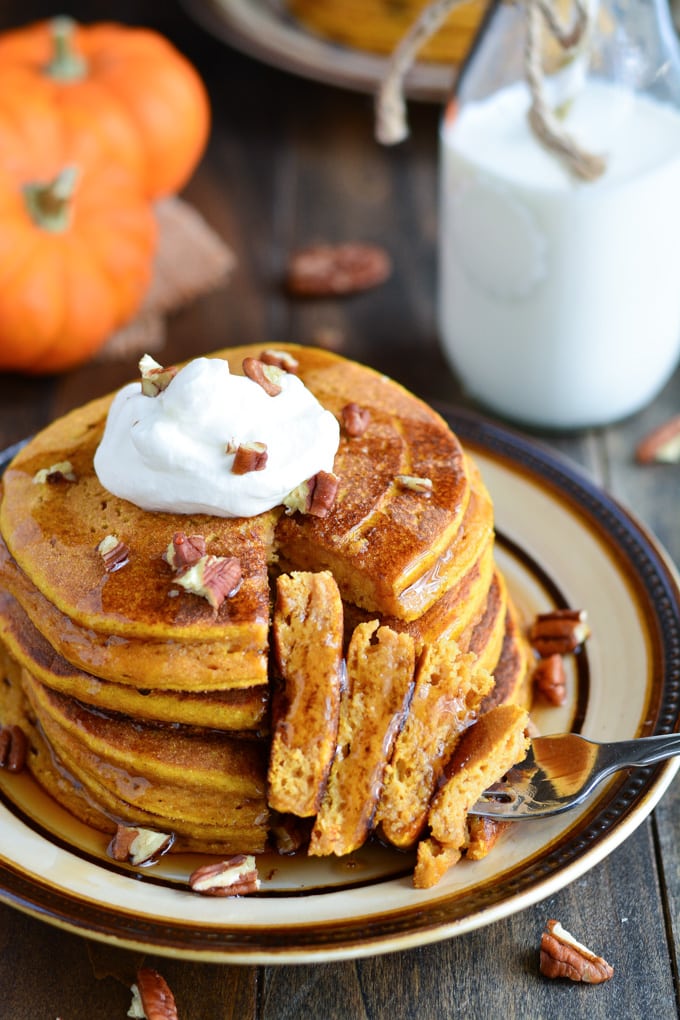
x=262, y=29
x=561, y=542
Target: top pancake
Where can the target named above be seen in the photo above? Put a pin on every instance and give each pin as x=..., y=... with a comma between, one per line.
x=385, y=536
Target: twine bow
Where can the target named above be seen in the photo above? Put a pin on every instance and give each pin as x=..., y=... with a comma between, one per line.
x=391, y=122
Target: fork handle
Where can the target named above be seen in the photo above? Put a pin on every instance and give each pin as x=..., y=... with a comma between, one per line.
x=642, y=751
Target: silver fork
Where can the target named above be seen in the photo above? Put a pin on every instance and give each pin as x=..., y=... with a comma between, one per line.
x=562, y=770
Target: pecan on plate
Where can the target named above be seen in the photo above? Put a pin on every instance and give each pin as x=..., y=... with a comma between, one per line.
x=236, y=876
x=562, y=956
x=562, y=631
x=550, y=679
x=139, y=846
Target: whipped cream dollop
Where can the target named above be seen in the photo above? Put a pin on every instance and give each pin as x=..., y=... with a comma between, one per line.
x=169, y=452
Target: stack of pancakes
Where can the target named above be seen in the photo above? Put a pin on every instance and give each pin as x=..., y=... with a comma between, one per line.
x=145, y=706
x=379, y=25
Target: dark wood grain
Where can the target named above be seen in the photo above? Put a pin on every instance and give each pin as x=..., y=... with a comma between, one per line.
x=289, y=162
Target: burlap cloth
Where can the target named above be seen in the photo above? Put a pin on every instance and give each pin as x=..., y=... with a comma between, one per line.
x=191, y=260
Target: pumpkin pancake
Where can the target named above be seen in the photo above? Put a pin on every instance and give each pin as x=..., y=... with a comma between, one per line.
x=240, y=709
x=144, y=705
x=201, y=786
x=142, y=662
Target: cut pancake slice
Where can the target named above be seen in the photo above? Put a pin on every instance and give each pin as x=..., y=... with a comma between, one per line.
x=485, y=752
x=308, y=645
x=380, y=666
x=449, y=689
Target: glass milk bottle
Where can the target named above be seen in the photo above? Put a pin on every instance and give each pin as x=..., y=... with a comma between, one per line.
x=559, y=290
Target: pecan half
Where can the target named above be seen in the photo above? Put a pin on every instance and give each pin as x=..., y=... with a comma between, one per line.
x=562, y=956
x=561, y=631
x=184, y=550
x=327, y=270
x=13, y=748
x=355, y=419
x=550, y=679
x=280, y=359
x=151, y=997
x=155, y=378
x=215, y=578
x=139, y=846
x=316, y=496
x=661, y=445
x=266, y=376
x=60, y=472
x=415, y=483
x=249, y=457
x=236, y=876
x=114, y=553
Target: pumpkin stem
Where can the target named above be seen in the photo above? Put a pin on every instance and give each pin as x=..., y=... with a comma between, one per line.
x=49, y=205
x=66, y=64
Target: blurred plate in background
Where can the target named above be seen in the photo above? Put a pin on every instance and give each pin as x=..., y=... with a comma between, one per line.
x=263, y=29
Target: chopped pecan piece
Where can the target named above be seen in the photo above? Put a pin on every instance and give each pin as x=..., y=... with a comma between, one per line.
x=415, y=483
x=662, y=445
x=13, y=748
x=249, y=457
x=355, y=419
x=289, y=833
x=550, y=679
x=266, y=376
x=114, y=553
x=236, y=876
x=316, y=496
x=563, y=956
x=139, y=846
x=184, y=550
x=213, y=577
x=327, y=270
x=155, y=378
x=151, y=997
x=562, y=631
x=60, y=472
x=280, y=359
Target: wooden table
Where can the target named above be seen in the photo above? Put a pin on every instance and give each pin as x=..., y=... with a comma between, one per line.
x=290, y=161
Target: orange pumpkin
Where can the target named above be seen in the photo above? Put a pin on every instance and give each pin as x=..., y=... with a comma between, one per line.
x=76, y=256
x=127, y=90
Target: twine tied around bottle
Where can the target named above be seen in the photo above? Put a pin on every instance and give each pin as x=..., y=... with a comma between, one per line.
x=391, y=123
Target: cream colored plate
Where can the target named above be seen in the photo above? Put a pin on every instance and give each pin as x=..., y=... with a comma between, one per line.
x=562, y=541
x=262, y=29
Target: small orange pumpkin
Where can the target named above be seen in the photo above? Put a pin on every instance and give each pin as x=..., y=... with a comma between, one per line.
x=127, y=88
x=76, y=257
